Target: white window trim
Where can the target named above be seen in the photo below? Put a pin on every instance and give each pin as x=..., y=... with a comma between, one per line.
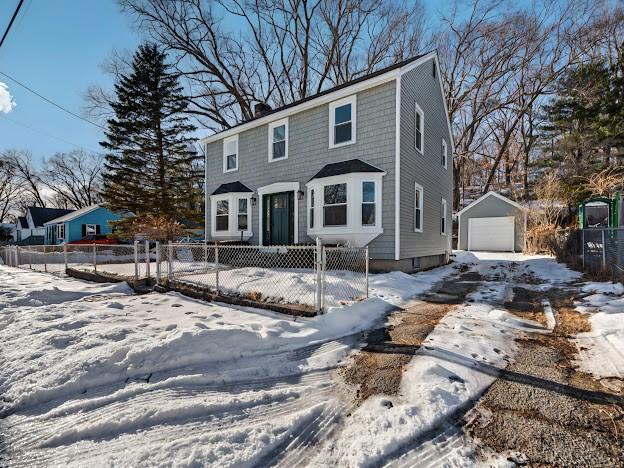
x=346, y=204
x=419, y=188
x=445, y=153
x=362, y=202
x=444, y=215
x=272, y=125
x=354, y=232
x=332, y=120
x=278, y=187
x=225, y=142
x=59, y=228
x=418, y=110
x=232, y=232
x=238, y=213
x=94, y=226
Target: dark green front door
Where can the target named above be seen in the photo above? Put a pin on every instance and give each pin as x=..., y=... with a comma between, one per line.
x=278, y=219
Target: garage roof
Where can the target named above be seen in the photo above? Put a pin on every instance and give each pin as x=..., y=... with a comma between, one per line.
x=487, y=195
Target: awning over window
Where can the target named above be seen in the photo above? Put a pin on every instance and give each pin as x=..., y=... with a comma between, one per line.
x=345, y=167
x=232, y=187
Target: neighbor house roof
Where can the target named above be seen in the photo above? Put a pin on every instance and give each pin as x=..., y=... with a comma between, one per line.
x=73, y=214
x=231, y=187
x=375, y=78
x=345, y=167
x=487, y=195
x=23, y=222
x=40, y=216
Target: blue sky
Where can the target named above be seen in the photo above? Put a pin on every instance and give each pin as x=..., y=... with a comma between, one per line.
x=56, y=47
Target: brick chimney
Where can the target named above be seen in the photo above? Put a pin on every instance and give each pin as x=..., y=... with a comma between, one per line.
x=261, y=109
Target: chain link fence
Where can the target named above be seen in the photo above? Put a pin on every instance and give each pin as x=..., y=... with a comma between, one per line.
x=603, y=251
x=314, y=276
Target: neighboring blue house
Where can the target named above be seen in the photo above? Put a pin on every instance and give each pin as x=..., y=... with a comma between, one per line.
x=78, y=224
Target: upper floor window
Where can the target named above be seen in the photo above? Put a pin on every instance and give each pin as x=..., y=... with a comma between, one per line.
x=444, y=154
x=335, y=205
x=242, y=214
x=418, y=208
x=443, y=218
x=419, y=128
x=278, y=140
x=342, y=122
x=230, y=154
x=223, y=215
x=368, y=203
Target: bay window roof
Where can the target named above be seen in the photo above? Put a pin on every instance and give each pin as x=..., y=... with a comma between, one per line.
x=345, y=167
x=231, y=187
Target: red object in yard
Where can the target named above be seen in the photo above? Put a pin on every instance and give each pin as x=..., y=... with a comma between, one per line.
x=95, y=239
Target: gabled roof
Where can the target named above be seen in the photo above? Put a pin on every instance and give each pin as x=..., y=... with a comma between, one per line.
x=231, y=187
x=23, y=222
x=487, y=195
x=345, y=167
x=73, y=214
x=40, y=216
x=375, y=78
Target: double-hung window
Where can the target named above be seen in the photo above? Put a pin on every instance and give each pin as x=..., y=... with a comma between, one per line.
x=419, y=128
x=418, y=208
x=230, y=154
x=90, y=229
x=278, y=140
x=60, y=231
x=242, y=214
x=444, y=154
x=342, y=122
x=443, y=218
x=223, y=215
x=311, y=216
x=368, y=203
x=335, y=205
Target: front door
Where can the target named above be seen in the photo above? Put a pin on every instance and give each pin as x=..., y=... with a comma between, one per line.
x=279, y=218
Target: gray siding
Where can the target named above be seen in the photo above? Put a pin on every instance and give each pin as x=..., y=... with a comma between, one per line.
x=419, y=85
x=491, y=207
x=308, y=152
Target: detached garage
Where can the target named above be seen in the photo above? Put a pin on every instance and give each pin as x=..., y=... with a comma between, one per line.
x=492, y=223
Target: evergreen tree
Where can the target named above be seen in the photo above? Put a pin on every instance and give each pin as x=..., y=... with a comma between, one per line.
x=149, y=158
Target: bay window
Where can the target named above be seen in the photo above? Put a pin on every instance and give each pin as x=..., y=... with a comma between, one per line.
x=231, y=215
x=311, y=210
x=368, y=203
x=335, y=205
x=223, y=214
x=242, y=214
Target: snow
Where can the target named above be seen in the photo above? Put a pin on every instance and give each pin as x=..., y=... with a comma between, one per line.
x=601, y=350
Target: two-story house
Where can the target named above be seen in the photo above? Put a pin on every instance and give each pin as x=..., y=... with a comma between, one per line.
x=368, y=162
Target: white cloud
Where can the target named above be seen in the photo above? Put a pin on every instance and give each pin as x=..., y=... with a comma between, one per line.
x=6, y=100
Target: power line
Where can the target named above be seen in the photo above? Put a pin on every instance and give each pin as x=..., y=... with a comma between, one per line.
x=73, y=114
x=49, y=135
x=6, y=33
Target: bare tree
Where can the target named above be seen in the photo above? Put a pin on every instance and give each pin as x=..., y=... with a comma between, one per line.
x=10, y=190
x=26, y=176
x=73, y=178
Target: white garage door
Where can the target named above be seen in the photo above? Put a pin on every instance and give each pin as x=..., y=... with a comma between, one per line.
x=491, y=234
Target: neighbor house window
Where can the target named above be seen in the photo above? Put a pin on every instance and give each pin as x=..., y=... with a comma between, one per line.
x=368, y=203
x=419, y=128
x=311, y=209
x=60, y=231
x=342, y=122
x=335, y=205
x=418, y=208
x=242, y=214
x=278, y=140
x=444, y=154
x=90, y=229
x=230, y=154
x=223, y=214
x=443, y=218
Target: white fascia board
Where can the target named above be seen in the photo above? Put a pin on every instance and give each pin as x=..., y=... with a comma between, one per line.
x=490, y=193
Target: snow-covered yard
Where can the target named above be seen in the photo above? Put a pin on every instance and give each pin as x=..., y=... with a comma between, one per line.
x=94, y=374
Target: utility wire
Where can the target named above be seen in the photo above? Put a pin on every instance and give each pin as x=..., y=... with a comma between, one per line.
x=26, y=87
x=6, y=33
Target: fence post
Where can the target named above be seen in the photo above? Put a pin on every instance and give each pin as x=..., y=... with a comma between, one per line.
x=136, y=260
x=217, y=265
x=169, y=261
x=323, y=278
x=157, y=262
x=205, y=254
x=148, y=259
x=17, y=256
x=604, y=250
x=45, y=259
x=367, y=271
x=30, y=258
x=94, y=257
x=65, y=256
x=319, y=279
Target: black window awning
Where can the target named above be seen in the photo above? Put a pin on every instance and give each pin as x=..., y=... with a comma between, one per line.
x=232, y=187
x=345, y=167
